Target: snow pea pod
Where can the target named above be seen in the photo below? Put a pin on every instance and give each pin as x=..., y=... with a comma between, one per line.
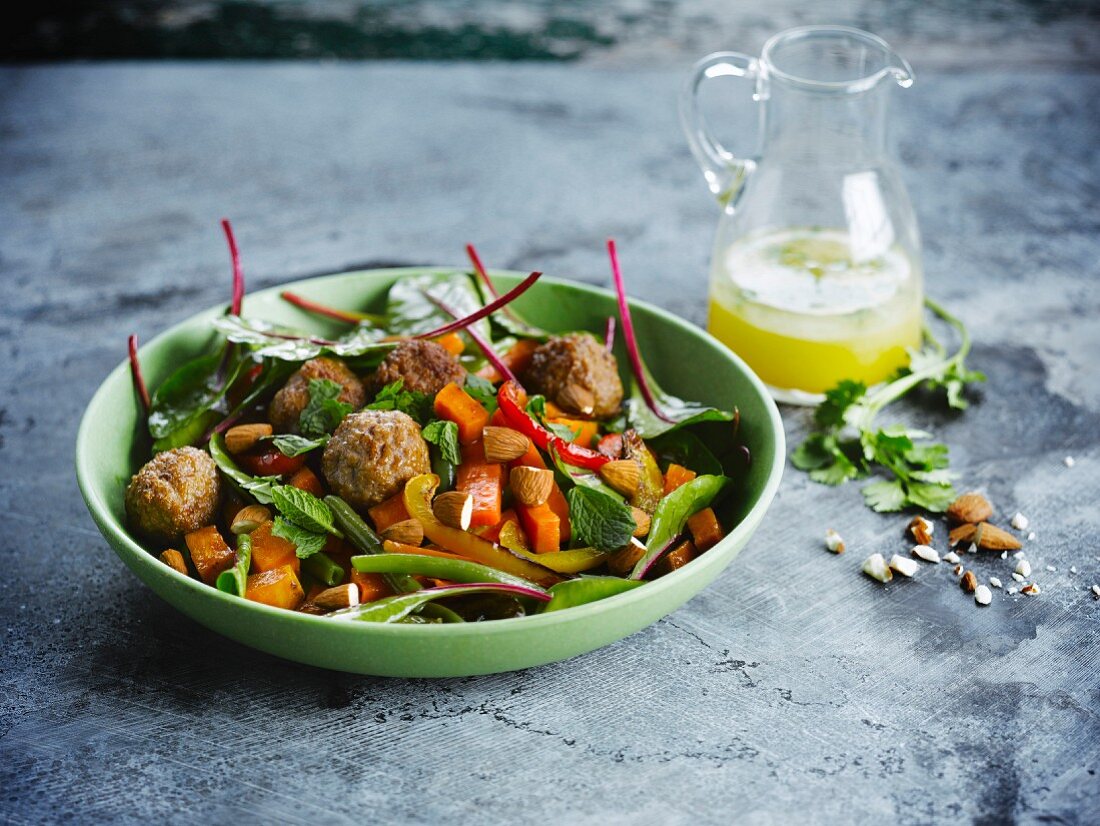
x=399, y=606
x=456, y=570
x=672, y=514
x=586, y=589
x=235, y=580
x=359, y=534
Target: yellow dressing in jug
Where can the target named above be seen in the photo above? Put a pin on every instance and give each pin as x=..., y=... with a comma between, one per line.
x=806, y=308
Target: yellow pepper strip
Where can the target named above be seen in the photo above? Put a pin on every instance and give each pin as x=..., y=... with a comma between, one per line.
x=418, y=497
x=564, y=562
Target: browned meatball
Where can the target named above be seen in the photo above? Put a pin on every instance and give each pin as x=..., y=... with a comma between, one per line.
x=425, y=367
x=577, y=374
x=176, y=492
x=291, y=400
x=372, y=455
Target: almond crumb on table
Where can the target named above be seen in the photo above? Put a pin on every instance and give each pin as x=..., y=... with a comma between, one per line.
x=875, y=567
x=982, y=595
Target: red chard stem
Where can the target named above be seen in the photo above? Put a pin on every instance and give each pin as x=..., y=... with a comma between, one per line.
x=135, y=372
x=479, y=340
x=238, y=273
x=487, y=310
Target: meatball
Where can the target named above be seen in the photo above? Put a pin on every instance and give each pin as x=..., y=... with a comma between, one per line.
x=425, y=367
x=578, y=374
x=291, y=400
x=174, y=493
x=372, y=455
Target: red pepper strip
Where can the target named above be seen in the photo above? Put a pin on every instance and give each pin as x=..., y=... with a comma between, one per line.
x=545, y=440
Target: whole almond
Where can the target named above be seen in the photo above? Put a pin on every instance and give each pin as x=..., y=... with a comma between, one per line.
x=502, y=444
x=454, y=509
x=642, y=520
x=342, y=596
x=531, y=485
x=970, y=508
x=249, y=518
x=407, y=532
x=578, y=399
x=986, y=536
x=244, y=437
x=623, y=475
x=969, y=582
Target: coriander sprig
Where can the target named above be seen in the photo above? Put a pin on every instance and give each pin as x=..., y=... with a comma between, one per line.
x=847, y=445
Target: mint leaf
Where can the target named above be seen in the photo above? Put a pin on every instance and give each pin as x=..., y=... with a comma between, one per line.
x=394, y=397
x=444, y=435
x=598, y=520
x=304, y=510
x=324, y=412
x=291, y=444
x=306, y=542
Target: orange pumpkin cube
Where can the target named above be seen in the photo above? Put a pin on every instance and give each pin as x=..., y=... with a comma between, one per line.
x=278, y=588
x=270, y=551
x=209, y=553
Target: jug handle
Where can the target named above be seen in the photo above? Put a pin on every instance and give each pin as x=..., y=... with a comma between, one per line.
x=725, y=173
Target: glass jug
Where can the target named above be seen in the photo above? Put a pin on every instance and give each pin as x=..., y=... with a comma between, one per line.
x=816, y=271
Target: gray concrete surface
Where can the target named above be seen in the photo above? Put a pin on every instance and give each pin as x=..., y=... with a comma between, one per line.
x=793, y=689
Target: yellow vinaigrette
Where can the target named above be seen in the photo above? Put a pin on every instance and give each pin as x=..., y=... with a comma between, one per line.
x=806, y=310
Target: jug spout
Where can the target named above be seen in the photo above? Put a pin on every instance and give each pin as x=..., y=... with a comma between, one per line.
x=900, y=70
x=833, y=59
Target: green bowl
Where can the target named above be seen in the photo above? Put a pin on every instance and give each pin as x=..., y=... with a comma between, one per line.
x=685, y=360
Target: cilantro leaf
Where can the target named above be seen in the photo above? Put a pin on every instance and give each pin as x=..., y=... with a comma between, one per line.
x=394, y=397
x=598, y=520
x=444, y=435
x=830, y=413
x=884, y=496
x=306, y=542
x=481, y=391
x=325, y=411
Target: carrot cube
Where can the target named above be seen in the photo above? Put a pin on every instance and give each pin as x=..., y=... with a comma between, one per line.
x=305, y=479
x=278, y=588
x=452, y=343
x=484, y=481
x=371, y=586
x=209, y=553
x=270, y=552
x=705, y=529
x=455, y=404
x=542, y=526
x=390, y=512
x=675, y=476
x=585, y=429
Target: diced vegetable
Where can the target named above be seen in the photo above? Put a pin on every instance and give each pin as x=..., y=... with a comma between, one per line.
x=389, y=512
x=305, y=479
x=675, y=476
x=705, y=529
x=278, y=588
x=586, y=589
x=586, y=429
x=418, y=493
x=270, y=551
x=622, y=562
x=452, y=343
x=484, y=481
x=174, y=559
x=542, y=527
x=557, y=502
x=492, y=533
x=454, y=404
x=209, y=553
x=671, y=516
x=678, y=557
x=270, y=462
x=516, y=359
x=455, y=570
x=371, y=586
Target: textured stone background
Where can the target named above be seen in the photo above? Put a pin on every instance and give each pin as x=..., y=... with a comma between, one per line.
x=793, y=688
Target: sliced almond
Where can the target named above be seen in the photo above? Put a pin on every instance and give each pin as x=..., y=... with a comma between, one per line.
x=970, y=508
x=623, y=475
x=984, y=535
x=174, y=560
x=577, y=398
x=244, y=437
x=876, y=568
x=982, y=595
x=407, y=532
x=969, y=582
x=502, y=444
x=926, y=552
x=951, y=557
x=249, y=518
x=531, y=485
x=834, y=542
x=1023, y=568
x=454, y=509
x=342, y=596
x=642, y=520
x=1031, y=589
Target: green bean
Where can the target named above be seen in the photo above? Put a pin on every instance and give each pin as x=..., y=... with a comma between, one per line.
x=586, y=589
x=235, y=580
x=395, y=608
x=359, y=534
x=456, y=570
x=322, y=567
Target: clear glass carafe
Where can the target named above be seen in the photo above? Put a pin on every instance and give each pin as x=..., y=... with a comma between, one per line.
x=816, y=270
